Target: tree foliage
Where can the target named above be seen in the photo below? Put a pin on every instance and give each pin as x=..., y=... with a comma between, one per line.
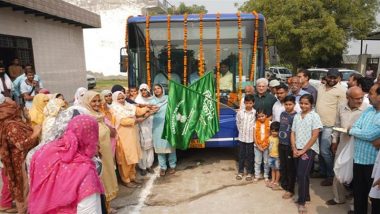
x=182, y=9
x=315, y=32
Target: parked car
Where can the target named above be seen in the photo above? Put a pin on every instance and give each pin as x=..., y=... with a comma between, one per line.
x=281, y=73
x=91, y=81
x=316, y=75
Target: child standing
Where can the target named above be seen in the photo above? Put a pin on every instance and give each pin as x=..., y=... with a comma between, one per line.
x=262, y=132
x=274, y=160
x=304, y=140
x=245, y=121
x=287, y=168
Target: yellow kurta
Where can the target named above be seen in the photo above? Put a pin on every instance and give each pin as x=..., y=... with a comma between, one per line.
x=108, y=173
x=128, y=150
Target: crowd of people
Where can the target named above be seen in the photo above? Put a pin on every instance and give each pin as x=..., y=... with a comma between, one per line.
x=48, y=145
x=284, y=128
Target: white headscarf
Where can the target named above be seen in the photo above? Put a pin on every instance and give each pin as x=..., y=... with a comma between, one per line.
x=121, y=111
x=2, y=99
x=79, y=95
x=140, y=99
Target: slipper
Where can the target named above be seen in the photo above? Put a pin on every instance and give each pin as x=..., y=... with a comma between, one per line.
x=4, y=208
x=248, y=178
x=239, y=177
x=11, y=210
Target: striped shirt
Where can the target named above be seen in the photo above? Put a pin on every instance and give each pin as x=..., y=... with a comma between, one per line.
x=365, y=130
x=245, y=121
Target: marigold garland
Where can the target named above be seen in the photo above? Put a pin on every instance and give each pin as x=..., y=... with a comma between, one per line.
x=262, y=143
x=147, y=48
x=240, y=65
x=218, y=60
x=169, y=48
x=266, y=49
x=185, y=49
x=200, y=61
x=254, y=50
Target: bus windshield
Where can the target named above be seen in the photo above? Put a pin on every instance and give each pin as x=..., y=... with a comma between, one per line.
x=158, y=35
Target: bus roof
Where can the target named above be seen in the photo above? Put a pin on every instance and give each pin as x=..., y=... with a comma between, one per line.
x=195, y=18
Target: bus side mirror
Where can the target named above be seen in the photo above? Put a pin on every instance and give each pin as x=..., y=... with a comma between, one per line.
x=123, y=60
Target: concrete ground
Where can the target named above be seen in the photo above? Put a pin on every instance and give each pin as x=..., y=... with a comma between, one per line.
x=205, y=183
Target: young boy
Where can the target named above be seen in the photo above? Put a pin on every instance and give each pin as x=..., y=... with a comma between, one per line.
x=274, y=161
x=245, y=121
x=287, y=167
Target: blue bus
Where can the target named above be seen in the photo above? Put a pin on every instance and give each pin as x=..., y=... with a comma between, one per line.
x=200, y=49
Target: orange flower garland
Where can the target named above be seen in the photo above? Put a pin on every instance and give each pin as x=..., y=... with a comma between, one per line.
x=262, y=143
x=200, y=61
x=240, y=65
x=266, y=49
x=218, y=60
x=185, y=49
x=169, y=48
x=147, y=47
x=254, y=51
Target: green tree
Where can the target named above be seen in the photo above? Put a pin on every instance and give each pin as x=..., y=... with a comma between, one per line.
x=315, y=32
x=182, y=9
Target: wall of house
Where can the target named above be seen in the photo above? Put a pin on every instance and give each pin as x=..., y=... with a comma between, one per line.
x=58, y=49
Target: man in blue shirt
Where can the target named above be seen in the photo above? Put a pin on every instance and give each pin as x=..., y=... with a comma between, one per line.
x=366, y=130
x=17, y=82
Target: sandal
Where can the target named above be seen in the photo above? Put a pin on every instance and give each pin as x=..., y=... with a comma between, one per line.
x=287, y=195
x=132, y=185
x=172, y=171
x=302, y=209
x=269, y=184
x=239, y=176
x=248, y=178
x=276, y=187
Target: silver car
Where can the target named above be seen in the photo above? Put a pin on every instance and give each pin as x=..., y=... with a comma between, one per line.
x=316, y=75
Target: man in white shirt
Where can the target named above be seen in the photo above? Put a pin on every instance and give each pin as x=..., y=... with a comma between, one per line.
x=5, y=82
x=226, y=78
x=278, y=107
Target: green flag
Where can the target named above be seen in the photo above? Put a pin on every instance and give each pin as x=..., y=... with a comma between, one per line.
x=182, y=114
x=208, y=124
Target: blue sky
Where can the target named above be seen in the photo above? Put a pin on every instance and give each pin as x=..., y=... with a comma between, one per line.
x=227, y=6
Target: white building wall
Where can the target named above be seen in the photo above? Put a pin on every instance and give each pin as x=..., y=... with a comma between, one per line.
x=58, y=49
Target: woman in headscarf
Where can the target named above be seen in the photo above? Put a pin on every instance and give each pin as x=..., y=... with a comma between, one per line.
x=92, y=102
x=161, y=146
x=128, y=151
x=79, y=95
x=51, y=111
x=63, y=178
x=105, y=108
x=107, y=97
x=58, y=128
x=36, y=112
x=146, y=138
x=125, y=92
x=16, y=139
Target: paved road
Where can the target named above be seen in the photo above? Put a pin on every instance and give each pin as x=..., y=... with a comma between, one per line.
x=205, y=183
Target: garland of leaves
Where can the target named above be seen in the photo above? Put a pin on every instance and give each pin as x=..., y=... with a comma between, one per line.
x=218, y=60
x=240, y=59
x=185, y=49
x=254, y=50
x=147, y=48
x=200, y=61
x=169, y=48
